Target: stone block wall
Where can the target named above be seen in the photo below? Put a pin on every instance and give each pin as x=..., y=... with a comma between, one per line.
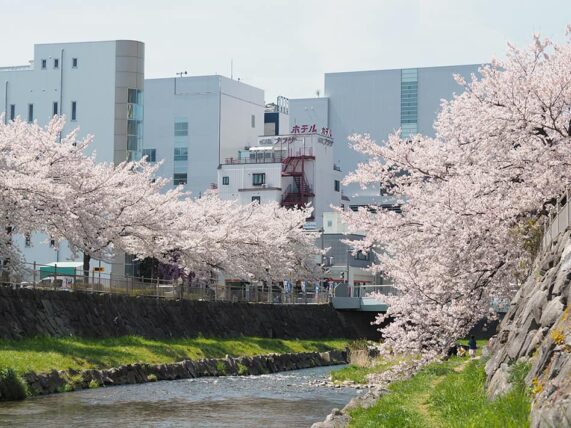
x=68, y=380
x=537, y=331
x=29, y=313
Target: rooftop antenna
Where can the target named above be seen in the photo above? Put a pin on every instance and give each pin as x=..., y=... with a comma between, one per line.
x=179, y=74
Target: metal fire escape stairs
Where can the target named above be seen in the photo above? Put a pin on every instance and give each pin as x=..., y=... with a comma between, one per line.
x=299, y=192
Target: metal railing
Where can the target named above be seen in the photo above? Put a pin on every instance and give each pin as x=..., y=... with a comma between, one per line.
x=358, y=291
x=557, y=222
x=207, y=290
x=255, y=159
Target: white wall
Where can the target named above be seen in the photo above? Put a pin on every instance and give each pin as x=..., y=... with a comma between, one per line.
x=91, y=85
x=197, y=102
x=308, y=111
x=369, y=102
x=240, y=186
x=239, y=102
x=324, y=177
x=99, y=84
x=218, y=111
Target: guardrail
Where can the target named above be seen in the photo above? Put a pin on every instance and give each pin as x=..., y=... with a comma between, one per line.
x=557, y=222
x=206, y=290
x=357, y=291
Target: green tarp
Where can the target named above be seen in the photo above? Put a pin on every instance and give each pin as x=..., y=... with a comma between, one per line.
x=47, y=271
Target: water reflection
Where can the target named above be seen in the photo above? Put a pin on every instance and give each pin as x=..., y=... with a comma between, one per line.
x=277, y=400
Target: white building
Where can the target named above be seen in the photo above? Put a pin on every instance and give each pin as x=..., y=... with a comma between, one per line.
x=193, y=123
x=293, y=169
x=98, y=87
x=377, y=102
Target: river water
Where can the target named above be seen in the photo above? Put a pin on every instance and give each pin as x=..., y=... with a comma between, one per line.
x=276, y=400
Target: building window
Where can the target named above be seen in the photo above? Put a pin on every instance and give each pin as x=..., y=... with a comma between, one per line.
x=337, y=185
x=225, y=181
x=30, y=113
x=257, y=199
x=74, y=62
x=74, y=110
x=409, y=101
x=258, y=178
x=12, y=111
x=54, y=108
x=151, y=154
x=180, y=153
x=44, y=64
x=180, y=129
x=253, y=121
x=27, y=240
x=134, y=123
x=56, y=63
x=179, y=179
x=362, y=256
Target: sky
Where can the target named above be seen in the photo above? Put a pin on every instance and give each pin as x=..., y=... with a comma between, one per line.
x=285, y=46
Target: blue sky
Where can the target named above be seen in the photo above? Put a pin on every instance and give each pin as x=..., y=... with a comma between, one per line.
x=285, y=46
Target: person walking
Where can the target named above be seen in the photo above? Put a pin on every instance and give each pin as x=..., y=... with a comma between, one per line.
x=472, y=346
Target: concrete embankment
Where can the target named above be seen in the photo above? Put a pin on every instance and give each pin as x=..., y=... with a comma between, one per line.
x=31, y=313
x=69, y=380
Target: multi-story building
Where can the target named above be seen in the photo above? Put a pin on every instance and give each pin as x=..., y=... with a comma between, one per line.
x=193, y=123
x=293, y=169
x=98, y=86
x=276, y=117
x=341, y=265
x=378, y=103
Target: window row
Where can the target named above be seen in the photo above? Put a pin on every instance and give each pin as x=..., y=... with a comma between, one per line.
x=55, y=63
x=180, y=154
x=55, y=111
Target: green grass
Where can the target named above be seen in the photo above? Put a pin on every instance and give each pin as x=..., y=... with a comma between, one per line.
x=12, y=387
x=358, y=374
x=449, y=394
x=44, y=354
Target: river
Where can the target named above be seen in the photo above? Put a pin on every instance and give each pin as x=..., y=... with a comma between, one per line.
x=277, y=400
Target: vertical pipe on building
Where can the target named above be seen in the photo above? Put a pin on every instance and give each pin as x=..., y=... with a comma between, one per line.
x=61, y=84
x=219, y=116
x=6, y=103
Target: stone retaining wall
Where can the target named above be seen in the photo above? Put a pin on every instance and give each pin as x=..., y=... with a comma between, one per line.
x=29, y=313
x=537, y=331
x=68, y=380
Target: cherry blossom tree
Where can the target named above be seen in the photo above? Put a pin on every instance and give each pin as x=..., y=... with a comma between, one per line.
x=252, y=242
x=49, y=185
x=474, y=196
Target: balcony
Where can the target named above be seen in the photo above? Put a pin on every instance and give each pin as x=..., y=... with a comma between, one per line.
x=267, y=158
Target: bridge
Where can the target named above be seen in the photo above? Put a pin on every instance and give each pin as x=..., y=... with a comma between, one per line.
x=363, y=298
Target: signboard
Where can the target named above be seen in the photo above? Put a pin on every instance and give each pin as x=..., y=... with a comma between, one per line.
x=277, y=140
x=311, y=129
x=310, y=225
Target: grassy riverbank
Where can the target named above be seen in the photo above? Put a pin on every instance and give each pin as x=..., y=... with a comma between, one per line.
x=358, y=374
x=449, y=394
x=44, y=354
